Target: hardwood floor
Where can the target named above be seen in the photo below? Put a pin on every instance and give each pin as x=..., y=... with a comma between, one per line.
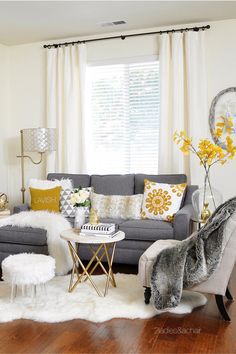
x=202, y=331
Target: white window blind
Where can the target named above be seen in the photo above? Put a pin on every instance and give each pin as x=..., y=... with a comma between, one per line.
x=124, y=115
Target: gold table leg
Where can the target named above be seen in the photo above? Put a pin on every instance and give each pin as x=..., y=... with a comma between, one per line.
x=85, y=270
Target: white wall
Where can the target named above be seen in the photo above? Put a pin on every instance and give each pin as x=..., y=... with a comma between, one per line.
x=221, y=72
x=27, y=109
x=27, y=68
x=4, y=118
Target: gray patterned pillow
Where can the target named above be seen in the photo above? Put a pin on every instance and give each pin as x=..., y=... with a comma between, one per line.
x=66, y=208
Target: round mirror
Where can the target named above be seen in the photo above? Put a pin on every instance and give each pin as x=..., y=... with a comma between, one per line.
x=222, y=118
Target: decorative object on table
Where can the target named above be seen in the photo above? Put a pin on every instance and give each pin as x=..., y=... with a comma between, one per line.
x=38, y=140
x=161, y=201
x=99, y=247
x=93, y=217
x=45, y=199
x=3, y=201
x=117, y=206
x=53, y=223
x=206, y=198
x=80, y=200
x=27, y=270
x=5, y=213
x=101, y=228
x=222, y=117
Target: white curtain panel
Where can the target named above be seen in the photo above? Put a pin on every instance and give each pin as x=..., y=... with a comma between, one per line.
x=66, y=70
x=183, y=93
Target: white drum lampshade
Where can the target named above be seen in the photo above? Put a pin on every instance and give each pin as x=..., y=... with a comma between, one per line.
x=39, y=139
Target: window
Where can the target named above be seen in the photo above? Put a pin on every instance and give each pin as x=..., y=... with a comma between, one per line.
x=124, y=116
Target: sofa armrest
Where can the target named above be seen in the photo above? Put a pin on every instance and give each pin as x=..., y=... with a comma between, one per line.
x=19, y=208
x=182, y=222
x=189, y=192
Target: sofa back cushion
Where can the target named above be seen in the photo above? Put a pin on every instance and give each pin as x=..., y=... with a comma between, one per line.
x=168, y=179
x=113, y=184
x=78, y=180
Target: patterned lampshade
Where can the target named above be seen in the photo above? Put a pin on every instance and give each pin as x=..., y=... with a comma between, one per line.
x=39, y=139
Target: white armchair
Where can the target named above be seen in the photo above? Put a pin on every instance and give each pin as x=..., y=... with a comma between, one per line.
x=217, y=284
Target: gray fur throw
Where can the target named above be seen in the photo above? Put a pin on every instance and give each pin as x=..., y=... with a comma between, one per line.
x=190, y=261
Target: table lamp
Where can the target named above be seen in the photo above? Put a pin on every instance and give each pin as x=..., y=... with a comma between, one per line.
x=38, y=140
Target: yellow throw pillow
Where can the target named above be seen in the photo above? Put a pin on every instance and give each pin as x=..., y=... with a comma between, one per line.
x=45, y=199
x=161, y=201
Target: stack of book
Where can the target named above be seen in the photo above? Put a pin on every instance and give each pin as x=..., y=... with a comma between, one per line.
x=101, y=229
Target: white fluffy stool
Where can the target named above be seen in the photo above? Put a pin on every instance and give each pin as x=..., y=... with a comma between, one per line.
x=26, y=269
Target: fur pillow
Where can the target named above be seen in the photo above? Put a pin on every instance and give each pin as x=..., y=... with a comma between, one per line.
x=117, y=206
x=65, y=183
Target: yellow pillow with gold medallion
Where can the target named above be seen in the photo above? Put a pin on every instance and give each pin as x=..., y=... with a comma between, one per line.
x=161, y=201
x=45, y=199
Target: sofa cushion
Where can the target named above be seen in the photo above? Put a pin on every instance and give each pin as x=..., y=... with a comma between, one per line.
x=147, y=230
x=117, y=206
x=169, y=179
x=78, y=180
x=113, y=184
x=23, y=235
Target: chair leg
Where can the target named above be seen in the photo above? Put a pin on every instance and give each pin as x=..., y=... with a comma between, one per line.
x=228, y=295
x=221, y=307
x=147, y=295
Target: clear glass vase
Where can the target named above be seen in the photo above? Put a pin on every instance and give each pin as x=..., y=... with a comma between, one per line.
x=205, y=200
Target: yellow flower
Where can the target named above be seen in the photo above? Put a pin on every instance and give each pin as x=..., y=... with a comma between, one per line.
x=231, y=149
x=218, y=132
x=186, y=141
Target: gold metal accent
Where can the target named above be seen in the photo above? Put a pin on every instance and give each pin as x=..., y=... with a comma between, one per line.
x=93, y=217
x=3, y=201
x=205, y=213
x=22, y=156
x=86, y=272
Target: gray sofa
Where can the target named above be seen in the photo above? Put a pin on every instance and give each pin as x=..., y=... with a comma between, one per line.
x=140, y=234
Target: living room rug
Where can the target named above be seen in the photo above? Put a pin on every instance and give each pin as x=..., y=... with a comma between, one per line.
x=57, y=305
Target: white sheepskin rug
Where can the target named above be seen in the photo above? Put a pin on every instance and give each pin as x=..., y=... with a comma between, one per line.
x=125, y=301
x=54, y=224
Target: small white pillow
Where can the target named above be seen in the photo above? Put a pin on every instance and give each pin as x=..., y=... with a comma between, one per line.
x=161, y=201
x=117, y=206
x=65, y=183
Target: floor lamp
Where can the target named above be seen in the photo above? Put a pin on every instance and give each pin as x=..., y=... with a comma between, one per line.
x=38, y=140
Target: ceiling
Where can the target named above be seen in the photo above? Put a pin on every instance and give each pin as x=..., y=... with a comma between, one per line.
x=32, y=21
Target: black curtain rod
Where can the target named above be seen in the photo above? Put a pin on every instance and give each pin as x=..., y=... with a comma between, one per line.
x=196, y=29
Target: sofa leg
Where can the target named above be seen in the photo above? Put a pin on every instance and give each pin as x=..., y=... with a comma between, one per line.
x=228, y=295
x=221, y=307
x=147, y=295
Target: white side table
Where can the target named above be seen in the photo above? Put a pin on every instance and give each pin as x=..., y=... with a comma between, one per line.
x=99, y=247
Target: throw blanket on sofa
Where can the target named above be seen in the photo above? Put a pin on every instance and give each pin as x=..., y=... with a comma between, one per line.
x=190, y=261
x=54, y=224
